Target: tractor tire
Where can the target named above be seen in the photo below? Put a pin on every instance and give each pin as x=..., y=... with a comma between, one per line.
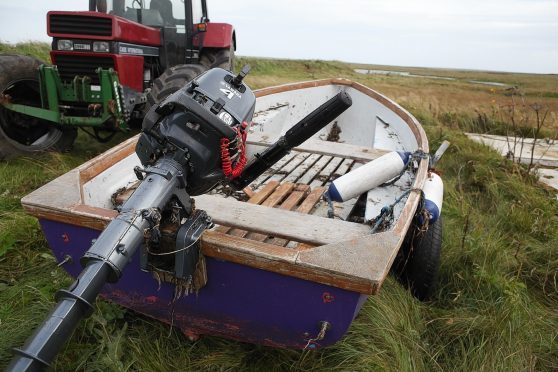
x=223, y=58
x=170, y=81
x=22, y=134
x=418, y=261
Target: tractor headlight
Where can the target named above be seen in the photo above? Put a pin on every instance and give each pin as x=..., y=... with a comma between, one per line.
x=65, y=45
x=101, y=46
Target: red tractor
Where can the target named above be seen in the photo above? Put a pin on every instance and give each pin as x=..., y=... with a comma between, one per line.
x=109, y=65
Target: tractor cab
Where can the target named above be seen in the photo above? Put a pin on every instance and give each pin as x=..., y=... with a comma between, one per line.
x=156, y=13
x=182, y=24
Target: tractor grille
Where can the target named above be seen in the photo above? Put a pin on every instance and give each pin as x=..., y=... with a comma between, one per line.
x=70, y=66
x=80, y=25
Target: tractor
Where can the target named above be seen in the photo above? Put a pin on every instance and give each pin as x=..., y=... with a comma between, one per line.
x=109, y=66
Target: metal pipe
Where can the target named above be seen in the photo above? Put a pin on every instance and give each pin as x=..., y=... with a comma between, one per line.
x=73, y=304
x=103, y=262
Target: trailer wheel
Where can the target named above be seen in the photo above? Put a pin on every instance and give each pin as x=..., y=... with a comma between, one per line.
x=170, y=81
x=22, y=134
x=418, y=261
x=223, y=58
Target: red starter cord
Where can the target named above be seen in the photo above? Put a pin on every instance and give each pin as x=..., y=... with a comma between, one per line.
x=226, y=161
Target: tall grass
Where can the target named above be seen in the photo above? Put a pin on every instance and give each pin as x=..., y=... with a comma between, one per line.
x=495, y=307
x=34, y=49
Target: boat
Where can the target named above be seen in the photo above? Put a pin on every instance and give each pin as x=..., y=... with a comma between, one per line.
x=541, y=153
x=283, y=266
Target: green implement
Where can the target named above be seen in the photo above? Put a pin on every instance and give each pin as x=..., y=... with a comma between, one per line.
x=103, y=103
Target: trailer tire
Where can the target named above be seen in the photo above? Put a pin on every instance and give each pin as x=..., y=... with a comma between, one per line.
x=170, y=81
x=214, y=57
x=418, y=261
x=22, y=134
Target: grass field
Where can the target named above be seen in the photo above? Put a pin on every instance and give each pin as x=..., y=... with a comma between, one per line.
x=496, y=307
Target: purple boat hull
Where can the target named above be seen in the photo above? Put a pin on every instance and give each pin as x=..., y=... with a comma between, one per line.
x=238, y=302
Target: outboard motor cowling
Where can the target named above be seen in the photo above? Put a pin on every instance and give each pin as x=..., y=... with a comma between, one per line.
x=207, y=122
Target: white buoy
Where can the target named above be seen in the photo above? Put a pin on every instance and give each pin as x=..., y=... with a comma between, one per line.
x=433, y=196
x=369, y=176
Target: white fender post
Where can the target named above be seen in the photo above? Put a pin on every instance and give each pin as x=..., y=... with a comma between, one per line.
x=433, y=196
x=369, y=176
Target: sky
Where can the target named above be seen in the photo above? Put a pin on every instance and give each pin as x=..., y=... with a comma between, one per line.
x=498, y=35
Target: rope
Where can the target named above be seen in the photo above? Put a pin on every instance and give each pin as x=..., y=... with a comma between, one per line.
x=330, y=207
x=173, y=252
x=417, y=155
x=384, y=219
x=311, y=344
x=386, y=214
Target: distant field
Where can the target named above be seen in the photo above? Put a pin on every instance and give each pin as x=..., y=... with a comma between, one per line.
x=459, y=99
x=496, y=305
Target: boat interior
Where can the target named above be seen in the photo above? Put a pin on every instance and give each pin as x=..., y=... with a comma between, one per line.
x=280, y=221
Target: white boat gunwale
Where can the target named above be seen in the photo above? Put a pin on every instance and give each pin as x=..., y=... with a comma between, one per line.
x=360, y=263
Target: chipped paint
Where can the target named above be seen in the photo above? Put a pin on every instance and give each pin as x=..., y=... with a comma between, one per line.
x=239, y=302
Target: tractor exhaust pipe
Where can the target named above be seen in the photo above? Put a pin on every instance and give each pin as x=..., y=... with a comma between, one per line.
x=295, y=136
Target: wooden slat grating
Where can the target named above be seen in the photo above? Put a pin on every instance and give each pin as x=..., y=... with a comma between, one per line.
x=257, y=198
x=259, y=182
x=309, y=200
x=290, y=203
x=323, y=177
x=309, y=176
x=296, y=183
x=289, y=167
x=287, y=196
x=280, y=193
x=304, y=168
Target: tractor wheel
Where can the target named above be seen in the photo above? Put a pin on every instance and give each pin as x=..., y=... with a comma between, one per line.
x=170, y=81
x=22, y=134
x=418, y=261
x=223, y=58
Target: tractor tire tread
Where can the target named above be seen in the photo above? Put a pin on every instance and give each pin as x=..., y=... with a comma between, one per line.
x=218, y=57
x=170, y=81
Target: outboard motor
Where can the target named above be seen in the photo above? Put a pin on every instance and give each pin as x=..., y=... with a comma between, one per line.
x=191, y=142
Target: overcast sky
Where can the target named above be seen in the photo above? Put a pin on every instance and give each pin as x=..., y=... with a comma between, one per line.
x=503, y=35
